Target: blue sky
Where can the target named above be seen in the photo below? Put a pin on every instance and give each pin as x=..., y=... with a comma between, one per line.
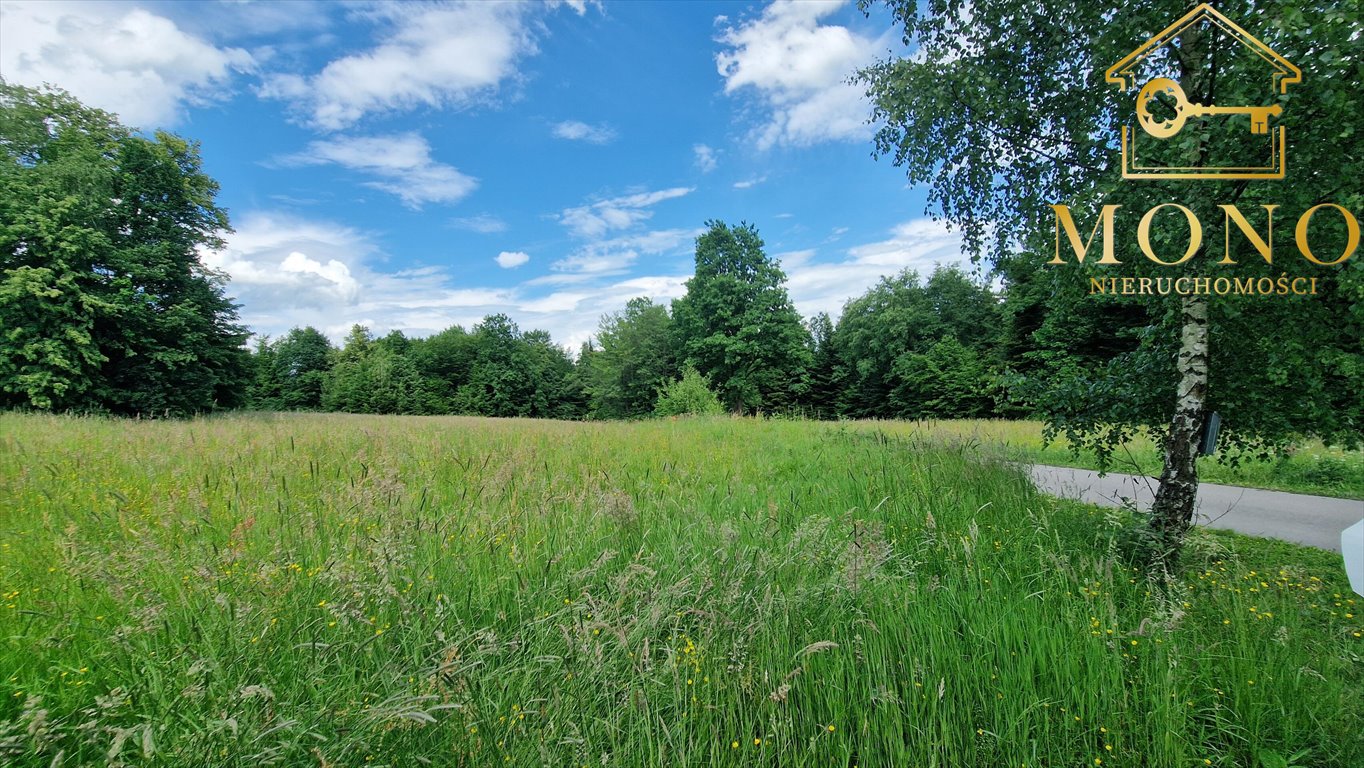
x=419, y=165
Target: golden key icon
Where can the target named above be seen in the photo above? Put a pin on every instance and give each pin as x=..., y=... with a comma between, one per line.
x=1164, y=129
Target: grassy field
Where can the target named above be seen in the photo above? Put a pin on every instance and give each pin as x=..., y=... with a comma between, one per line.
x=365, y=591
x=1310, y=468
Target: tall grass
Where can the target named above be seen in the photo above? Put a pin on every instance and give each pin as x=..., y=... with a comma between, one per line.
x=344, y=591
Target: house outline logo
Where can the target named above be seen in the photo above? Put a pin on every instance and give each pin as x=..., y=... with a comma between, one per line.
x=1123, y=74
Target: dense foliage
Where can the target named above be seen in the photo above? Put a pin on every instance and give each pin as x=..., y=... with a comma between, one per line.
x=632, y=357
x=912, y=350
x=104, y=305
x=1004, y=110
x=995, y=153
x=688, y=396
x=737, y=325
x=494, y=370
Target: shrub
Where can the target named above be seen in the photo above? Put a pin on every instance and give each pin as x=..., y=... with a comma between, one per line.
x=689, y=395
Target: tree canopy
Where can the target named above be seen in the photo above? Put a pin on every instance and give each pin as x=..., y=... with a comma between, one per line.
x=737, y=326
x=884, y=337
x=633, y=357
x=104, y=304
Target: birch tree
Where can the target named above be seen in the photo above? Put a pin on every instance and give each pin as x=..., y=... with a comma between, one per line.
x=1002, y=109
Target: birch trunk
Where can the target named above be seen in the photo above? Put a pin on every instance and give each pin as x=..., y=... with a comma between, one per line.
x=1173, y=508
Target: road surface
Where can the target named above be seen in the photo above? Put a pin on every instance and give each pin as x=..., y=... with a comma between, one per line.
x=1313, y=520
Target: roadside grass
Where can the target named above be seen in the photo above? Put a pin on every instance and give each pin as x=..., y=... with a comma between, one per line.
x=1310, y=467
x=346, y=591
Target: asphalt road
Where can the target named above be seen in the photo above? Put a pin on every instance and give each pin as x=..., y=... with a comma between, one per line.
x=1313, y=520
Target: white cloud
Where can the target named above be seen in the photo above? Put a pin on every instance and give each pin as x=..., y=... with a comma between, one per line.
x=707, y=159
x=283, y=269
x=598, y=261
x=919, y=244
x=126, y=60
x=566, y=278
x=799, y=69
x=575, y=130
x=400, y=164
x=335, y=274
x=432, y=55
x=643, y=199
x=512, y=259
x=749, y=183
x=557, y=302
x=574, y=316
x=578, y=6
x=483, y=223
x=288, y=271
x=613, y=256
x=792, y=259
x=596, y=219
x=663, y=240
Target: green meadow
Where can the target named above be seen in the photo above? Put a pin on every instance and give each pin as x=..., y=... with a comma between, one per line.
x=325, y=590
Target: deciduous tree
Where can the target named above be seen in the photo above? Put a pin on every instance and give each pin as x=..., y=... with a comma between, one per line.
x=104, y=303
x=736, y=324
x=301, y=360
x=632, y=358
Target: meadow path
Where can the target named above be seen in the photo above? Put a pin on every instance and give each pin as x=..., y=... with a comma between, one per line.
x=1313, y=520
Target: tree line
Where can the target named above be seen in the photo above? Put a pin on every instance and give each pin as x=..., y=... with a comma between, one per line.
x=907, y=348
x=105, y=307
